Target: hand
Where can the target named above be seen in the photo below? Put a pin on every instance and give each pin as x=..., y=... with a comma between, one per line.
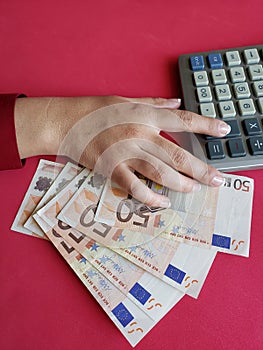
x=116, y=135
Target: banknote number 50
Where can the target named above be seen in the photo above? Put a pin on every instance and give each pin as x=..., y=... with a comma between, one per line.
x=133, y=210
x=241, y=185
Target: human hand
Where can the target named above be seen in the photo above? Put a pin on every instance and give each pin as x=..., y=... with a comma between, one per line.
x=116, y=136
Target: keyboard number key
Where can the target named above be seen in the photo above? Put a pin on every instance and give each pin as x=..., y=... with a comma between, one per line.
x=223, y=92
x=219, y=76
x=201, y=78
x=246, y=107
x=227, y=109
x=241, y=90
x=255, y=72
x=237, y=74
x=258, y=88
x=204, y=94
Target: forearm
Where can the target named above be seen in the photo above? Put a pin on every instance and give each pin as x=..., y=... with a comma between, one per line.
x=42, y=122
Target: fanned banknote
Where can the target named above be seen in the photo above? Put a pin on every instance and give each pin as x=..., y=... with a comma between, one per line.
x=69, y=171
x=156, y=296
x=215, y=217
x=136, y=261
x=162, y=258
x=224, y=217
x=133, y=322
x=45, y=174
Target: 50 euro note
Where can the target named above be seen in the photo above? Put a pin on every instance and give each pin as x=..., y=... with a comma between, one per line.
x=133, y=323
x=44, y=176
x=179, y=265
x=69, y=171
x=150, y=294
x=215, y=217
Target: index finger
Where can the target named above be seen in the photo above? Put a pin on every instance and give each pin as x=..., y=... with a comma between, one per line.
x=181, y=120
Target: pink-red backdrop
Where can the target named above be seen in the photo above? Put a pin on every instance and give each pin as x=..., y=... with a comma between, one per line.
x=130, y=48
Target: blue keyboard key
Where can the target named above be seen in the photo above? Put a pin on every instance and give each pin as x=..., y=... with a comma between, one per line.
x=197, y=63
x=215, y=60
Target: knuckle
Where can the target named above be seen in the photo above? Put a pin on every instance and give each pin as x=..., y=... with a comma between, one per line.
x=179, y=157
x=186, y=118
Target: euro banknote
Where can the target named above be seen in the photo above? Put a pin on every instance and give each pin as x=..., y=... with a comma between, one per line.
x=215, y=217
x=44, y=176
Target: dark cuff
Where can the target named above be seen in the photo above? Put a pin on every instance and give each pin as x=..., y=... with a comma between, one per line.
x=9, y=155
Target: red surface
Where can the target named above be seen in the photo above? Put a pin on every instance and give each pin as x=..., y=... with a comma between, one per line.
x=127, y=48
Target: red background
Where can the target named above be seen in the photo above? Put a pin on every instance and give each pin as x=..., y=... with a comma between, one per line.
x=129, y=48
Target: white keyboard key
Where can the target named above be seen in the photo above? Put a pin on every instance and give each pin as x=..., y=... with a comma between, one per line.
x=204, y=94
x=222, y=92
x=246, y=107
x=237, y=74
x=233, y=58
x=255, y=72
x=241, y=90
x=219, y=76
x=201, y=78
x=251, y=56
x=208, y=110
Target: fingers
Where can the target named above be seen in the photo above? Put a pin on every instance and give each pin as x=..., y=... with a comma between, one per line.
x=169, y=118
x=180, y=120
x=179, y=159
x=133, y=185
x=161, y=173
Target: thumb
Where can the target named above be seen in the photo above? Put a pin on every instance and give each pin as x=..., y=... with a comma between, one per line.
x=157, y=102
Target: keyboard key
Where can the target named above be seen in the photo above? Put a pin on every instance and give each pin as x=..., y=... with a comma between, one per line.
x=236, y=148
x=215, y=60
x=227, y=109
x=241, y=90
x=235, y=130
x=255, y=72
x=246, y=107
x=251, y=56
x=215, y=150
x=208, y=110
x=255, y=145
x=201, y=78
x=223, y=92
x=260, y=105
x=258, y=88
x=219, y=76
x=204, y=94
x=237, y=74
x=197, y=63
x=233, y=58
x=251, y=127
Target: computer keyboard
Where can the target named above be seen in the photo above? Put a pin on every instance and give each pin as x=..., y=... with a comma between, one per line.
x=226, y=84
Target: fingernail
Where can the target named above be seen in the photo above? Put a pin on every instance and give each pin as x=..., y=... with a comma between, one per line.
x=171, y=103
x=197, y=187
x=218, y=181
x=224, y=129
x=165, y=202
